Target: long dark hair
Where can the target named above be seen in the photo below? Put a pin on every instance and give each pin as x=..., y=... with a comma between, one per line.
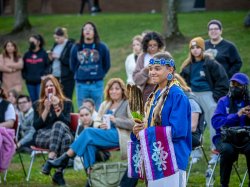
x=152, y=36
x=39, y=38
x=96, y=35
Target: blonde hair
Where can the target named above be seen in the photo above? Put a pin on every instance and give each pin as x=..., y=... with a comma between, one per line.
x=182, y=82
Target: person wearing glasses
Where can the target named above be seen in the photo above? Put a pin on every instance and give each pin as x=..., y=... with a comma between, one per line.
x=224, y=51
x=25, y=119
x=152, y=43
x=90, y=62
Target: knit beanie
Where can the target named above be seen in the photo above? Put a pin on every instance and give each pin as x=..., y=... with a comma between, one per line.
x=198, y=41
x=216, y=22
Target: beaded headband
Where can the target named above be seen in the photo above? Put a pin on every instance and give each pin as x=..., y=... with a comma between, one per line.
x=162, y=62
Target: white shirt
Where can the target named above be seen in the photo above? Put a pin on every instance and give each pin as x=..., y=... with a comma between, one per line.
x=130, y=67
x=10, y=113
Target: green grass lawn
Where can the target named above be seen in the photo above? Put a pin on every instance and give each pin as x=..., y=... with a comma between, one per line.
x=116, y=30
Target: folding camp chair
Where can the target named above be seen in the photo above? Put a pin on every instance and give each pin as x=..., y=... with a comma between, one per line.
x=38, y=150
x=234, y=166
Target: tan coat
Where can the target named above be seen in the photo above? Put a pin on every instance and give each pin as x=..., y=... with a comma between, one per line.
x=12, y=74
x=124, y=123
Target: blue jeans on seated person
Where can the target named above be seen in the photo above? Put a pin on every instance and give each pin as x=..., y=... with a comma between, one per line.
x=93, y=90
x=93, y=139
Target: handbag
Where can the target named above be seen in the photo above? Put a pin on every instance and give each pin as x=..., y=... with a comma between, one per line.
x=107, y=174
x=238, y=136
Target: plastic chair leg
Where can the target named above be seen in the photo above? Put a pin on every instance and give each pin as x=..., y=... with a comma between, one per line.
x=33, y=155
x=212, y=174
x=5, y=175
x=244, y=178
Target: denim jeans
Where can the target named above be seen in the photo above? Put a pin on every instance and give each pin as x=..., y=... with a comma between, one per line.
x=34, y=91
x=93, y=91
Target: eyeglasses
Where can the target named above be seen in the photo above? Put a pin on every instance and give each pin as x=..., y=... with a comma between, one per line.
x=214, y=29
x=24, y=102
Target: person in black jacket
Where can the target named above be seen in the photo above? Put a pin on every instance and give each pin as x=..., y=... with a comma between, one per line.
x=224, y=51
x=60, y=57
x=51, y=122
x=207, y=79
x=36, y=65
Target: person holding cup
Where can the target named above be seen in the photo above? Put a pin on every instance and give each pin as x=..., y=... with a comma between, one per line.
x=91, y=139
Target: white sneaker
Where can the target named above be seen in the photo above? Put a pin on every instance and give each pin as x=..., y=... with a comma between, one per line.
x=214, y=158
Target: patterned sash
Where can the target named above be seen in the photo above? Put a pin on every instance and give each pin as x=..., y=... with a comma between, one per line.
x=158, y=152
x=135, y=169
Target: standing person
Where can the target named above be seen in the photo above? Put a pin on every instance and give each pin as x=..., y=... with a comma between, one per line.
x=36, y=64
x=207, y=79
x=93, y=139
x=151, y=44
x=25, y=119
x=97, y=6
x=233, y=110
x=51, y=122
x=60, y=58
x=164, y=108
x=90, y=6
x=131, y=59
x=223, y=50
x=90, y=61
x=11, y=65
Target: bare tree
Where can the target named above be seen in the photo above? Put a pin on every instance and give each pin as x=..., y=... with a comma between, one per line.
x=170, y=21
x=21, y=16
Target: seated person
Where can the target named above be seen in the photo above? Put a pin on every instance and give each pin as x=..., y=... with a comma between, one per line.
x=12, y=98
x=85, y=116
x=102, y=137
x=90, y=103
x=25, y=119
x=7, y=119
x=7, y=114
x=232, y=110
x=51, y=122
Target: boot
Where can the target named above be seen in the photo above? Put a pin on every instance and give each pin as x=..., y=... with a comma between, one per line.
x=58, y=178
x=62, y=161
x=46, y=167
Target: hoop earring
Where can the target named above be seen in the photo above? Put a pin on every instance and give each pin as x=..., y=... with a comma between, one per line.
x=170, y=76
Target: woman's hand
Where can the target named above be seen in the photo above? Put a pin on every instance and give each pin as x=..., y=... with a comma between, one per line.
x=244, y=111
x=54, y=100
x=47, y=105
x=103, y=126
x=112, y=118
x=137, y=128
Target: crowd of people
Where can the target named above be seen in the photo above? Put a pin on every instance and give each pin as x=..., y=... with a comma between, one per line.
x=209, y=90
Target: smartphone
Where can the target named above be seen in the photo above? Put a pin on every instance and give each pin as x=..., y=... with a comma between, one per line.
x=50, y=92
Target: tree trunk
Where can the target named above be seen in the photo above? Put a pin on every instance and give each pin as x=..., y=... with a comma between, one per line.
x=170, y=20
x=21, y=16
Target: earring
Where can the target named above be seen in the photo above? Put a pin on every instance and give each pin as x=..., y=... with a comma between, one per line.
x=170, y=76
